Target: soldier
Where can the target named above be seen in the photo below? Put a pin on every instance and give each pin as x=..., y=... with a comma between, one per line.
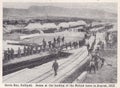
x=24, y=51
x=53, y=45
x=9, y=55
x=49, y=43
x=55, y=67
x=58, y=40
x=102, y=46
x=95, y=57
x=63, y=39
x=19, y=52
x=28, y=50
x=55, y=40
x=73, y=44
x=83, y=42
x=5, y=55
x=31, y=50
x=102, y=60
x=12, y=53
x=79, y=43
x=70, y=44
x=92, y=66
x=76, y=44
x=44, y=44
x=87, y=44
x=36, y=49
x=66, y=46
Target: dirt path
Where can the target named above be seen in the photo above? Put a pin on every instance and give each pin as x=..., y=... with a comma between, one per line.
x=106, y=74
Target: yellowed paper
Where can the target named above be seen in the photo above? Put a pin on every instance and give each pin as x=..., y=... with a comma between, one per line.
x=48, y=43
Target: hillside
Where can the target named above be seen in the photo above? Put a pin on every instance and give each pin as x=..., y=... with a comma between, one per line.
x=44, y=11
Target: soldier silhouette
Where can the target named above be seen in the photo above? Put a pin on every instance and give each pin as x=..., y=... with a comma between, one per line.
x=55, y=67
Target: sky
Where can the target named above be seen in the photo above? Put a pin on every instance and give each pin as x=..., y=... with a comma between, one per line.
x=107, y=6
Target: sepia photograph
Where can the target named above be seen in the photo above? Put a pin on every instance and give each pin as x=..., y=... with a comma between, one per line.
x=59, y=42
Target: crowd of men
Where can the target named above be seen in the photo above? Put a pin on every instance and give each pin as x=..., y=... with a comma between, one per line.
x=95, y=59
x=57, y=43
x=60, y=43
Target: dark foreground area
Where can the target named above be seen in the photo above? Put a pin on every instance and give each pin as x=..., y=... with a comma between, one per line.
x=7, y=69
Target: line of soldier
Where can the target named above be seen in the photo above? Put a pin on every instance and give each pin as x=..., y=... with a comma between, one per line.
x=74, y=44
x=29, y=50
x=56, y=42
x=95, y=59
x=9, y=54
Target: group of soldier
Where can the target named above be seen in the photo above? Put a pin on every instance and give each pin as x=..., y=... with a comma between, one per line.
x=75, y=44
x=9, y=54
x=27, y=50
x=95, y=60
x=52, y=44
x=58, y=42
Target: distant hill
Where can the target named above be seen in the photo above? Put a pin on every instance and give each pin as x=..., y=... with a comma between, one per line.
x=44, y=11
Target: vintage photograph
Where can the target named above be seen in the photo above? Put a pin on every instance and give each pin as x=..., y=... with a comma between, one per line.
x=59, y=42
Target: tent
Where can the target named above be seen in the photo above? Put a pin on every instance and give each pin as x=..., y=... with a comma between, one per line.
x=82, y=23
x=11, y=27
x=49, y=27
x=34, y=26
x=63, y=25
x=73, y=24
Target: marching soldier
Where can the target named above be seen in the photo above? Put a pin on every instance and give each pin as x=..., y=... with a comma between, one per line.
x=8, y=54
x=66, y=46
x=76, y=44
x=31, y=50
x=95, y=57
x=70, y=44
x=49, y=43
x=92, y=66
x=87, y=44
x=55, y=40
x=28, y=50
x=103, y=61
x=58, y=40
x=63, y=39
x=44, y=44
x=19, y=52
x=79, y=43
x=73, y=44
x=5, y=55
x=25, y=51
x=12, y=53
x=53, y=45
x=36, y=49
x=55, y=67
